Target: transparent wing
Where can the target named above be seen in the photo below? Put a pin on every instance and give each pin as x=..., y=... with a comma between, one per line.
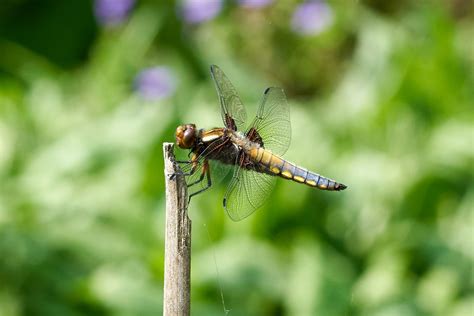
x=232, y=110
x=247, y=191
x=272, y=121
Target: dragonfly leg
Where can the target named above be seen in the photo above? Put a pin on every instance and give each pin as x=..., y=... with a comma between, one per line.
x=194, y=163
x=207, y=172
x=201, y=177
x=190, y=173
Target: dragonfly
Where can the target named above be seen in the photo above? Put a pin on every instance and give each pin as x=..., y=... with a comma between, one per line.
x=252, y=153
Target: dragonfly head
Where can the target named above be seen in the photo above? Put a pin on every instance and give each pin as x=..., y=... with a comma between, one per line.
x=186, y=136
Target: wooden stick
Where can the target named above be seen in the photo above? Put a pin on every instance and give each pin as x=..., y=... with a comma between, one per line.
x=176, y=299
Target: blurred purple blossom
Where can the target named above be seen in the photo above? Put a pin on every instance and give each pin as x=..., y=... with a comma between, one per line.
x=255, y=3
x=312, y=17
x=112, y=12
x=197, y=11
x=155, y=83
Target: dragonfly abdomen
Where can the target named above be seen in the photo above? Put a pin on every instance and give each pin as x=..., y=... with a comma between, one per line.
x=274, y=165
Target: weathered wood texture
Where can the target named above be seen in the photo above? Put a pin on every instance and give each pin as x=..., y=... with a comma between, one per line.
x=176, y=299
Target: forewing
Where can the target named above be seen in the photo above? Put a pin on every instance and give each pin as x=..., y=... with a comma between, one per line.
x=232, y=110
x=272, y=121
x=247, y=191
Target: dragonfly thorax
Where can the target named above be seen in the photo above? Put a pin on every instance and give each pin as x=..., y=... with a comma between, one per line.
x=242, y=141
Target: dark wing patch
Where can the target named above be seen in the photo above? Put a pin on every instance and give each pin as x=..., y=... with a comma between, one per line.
x=254, y=136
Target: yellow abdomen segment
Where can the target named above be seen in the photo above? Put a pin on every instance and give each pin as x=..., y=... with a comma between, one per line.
x=287, y=170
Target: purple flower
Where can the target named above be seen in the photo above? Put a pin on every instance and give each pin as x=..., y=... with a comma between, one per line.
x=197, y=11
x=112, y=12
x=255, y=3
x=155, y=83
x=312, y=17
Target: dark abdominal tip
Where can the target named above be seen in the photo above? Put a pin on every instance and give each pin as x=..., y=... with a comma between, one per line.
x=341, y=186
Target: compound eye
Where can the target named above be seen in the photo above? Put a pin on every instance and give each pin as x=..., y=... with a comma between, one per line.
x=188, y=137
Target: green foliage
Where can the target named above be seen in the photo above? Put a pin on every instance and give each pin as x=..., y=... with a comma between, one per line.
x=381, y=100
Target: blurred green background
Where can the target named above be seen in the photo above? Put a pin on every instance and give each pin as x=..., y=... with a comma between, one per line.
x=381, y=96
